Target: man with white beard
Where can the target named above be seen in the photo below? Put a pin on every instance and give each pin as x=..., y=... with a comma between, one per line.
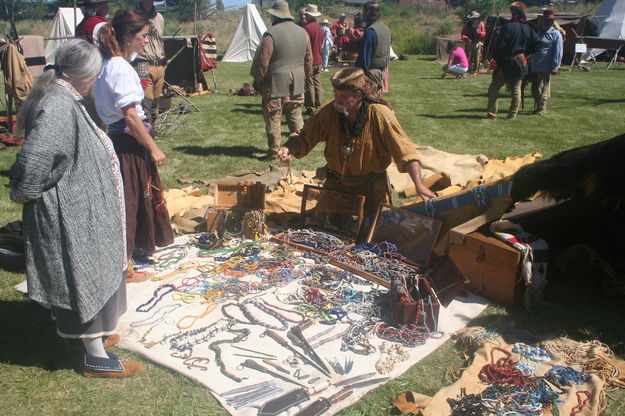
x=362, y=136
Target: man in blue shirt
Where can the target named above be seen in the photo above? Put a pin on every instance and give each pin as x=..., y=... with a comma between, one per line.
x=375, y=45
x=545, y=62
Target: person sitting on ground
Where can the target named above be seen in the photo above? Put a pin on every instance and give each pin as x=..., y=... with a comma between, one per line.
x=68, y=178
x=118, y=95
x=361, y=136
x=457, y=64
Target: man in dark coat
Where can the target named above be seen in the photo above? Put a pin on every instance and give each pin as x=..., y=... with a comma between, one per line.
x=516, y=42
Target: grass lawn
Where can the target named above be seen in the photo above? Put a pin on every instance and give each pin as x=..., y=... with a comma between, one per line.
x=37, y=377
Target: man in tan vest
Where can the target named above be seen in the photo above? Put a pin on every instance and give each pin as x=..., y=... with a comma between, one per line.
x=281, y=65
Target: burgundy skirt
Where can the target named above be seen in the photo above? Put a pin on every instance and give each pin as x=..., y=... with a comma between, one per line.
x=147, y=218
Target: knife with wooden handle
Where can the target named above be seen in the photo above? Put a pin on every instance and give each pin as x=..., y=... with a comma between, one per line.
x=320, y=406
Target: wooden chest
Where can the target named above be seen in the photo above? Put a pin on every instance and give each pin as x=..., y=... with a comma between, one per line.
x=491, y=266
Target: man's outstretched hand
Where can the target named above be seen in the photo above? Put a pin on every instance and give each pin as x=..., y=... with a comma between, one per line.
x=284, y=155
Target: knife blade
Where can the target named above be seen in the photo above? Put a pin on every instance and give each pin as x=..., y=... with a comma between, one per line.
x=366, y=383
x=274, y=335
x=255, y=366
x=286, y=401
x=322, y=404
x=354, y=379
x=297, y=337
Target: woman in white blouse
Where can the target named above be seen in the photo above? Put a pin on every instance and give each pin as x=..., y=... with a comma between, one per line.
x=118, y=94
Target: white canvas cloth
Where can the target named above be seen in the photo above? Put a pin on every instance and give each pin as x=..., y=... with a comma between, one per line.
x=452, y=318
x=247, y=37
x=611, y=20
x=63, y=26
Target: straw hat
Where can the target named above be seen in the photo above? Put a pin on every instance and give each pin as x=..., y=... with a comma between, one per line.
x=280, y=9
x=342, y=15
x=324, y=22
x=474, y=15
x=311, y=10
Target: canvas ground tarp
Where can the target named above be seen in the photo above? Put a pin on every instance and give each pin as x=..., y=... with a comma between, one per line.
x=247, y=37
x=63, y=26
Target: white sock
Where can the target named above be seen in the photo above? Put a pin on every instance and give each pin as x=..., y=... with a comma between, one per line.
x=95, y=347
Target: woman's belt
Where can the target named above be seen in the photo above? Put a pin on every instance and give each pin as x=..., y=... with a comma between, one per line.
x=343, y=178
x=120, y=126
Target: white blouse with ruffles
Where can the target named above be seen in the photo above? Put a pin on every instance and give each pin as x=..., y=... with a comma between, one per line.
x=117, y=86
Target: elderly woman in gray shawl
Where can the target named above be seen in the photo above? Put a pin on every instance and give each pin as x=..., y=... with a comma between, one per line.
x=67, y=176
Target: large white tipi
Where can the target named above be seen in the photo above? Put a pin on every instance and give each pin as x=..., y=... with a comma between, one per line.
x=63, y=26
x=247, y=37
x=611, y=20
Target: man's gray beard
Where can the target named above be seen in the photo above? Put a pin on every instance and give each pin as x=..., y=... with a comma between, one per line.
x=341, y=109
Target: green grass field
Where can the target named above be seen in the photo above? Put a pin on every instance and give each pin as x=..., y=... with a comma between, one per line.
x=37, y=377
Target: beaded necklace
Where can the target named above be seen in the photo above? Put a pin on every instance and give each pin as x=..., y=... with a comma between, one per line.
x=157, y=316
x=151, y=303
x=187, y=340
x=241, y=335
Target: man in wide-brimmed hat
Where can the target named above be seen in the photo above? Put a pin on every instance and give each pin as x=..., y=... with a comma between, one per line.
x=362, y=136
x=341, y=32
x=473, y=33
x=282, y=62
x=95, y=12
x=327, y=46
x=152, y=60
x=312, y=95
x=516, y=42
x=545, y=62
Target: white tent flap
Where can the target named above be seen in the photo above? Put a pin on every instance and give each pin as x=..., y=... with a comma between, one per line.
x=62, y=27
x=611, y=19
x=247, y=37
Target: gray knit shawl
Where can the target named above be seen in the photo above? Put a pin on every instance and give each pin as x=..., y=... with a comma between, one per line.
x=72, y=220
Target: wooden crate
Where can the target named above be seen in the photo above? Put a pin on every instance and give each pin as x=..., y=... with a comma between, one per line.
x=491, y=266
x=239, y=195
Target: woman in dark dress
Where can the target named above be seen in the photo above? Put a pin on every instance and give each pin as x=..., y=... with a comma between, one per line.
x=118, y=95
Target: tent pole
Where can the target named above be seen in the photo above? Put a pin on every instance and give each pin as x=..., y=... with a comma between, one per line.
x=194, y=17
x=75, y=16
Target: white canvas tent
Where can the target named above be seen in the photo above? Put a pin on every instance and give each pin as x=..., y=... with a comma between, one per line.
x=611, y=20
x=62, y=27
x=247, y=37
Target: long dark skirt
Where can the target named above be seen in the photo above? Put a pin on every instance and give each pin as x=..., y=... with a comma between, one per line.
x=147, y=218
x=68, y=323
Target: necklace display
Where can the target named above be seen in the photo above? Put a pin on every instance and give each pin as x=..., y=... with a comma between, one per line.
x=241, y=335
x=157, y=296
x=157, y=316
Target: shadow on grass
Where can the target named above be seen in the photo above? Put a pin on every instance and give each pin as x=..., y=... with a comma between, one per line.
x=441, y=116
x=4, y=172
x=485, y=94
x=248, y=109
x=235, y=151
x=31, y=340
x=576, y=308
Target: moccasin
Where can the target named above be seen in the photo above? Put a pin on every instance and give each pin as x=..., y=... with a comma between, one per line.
x=112, y=367
x=75, y=345
x=137, y=277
